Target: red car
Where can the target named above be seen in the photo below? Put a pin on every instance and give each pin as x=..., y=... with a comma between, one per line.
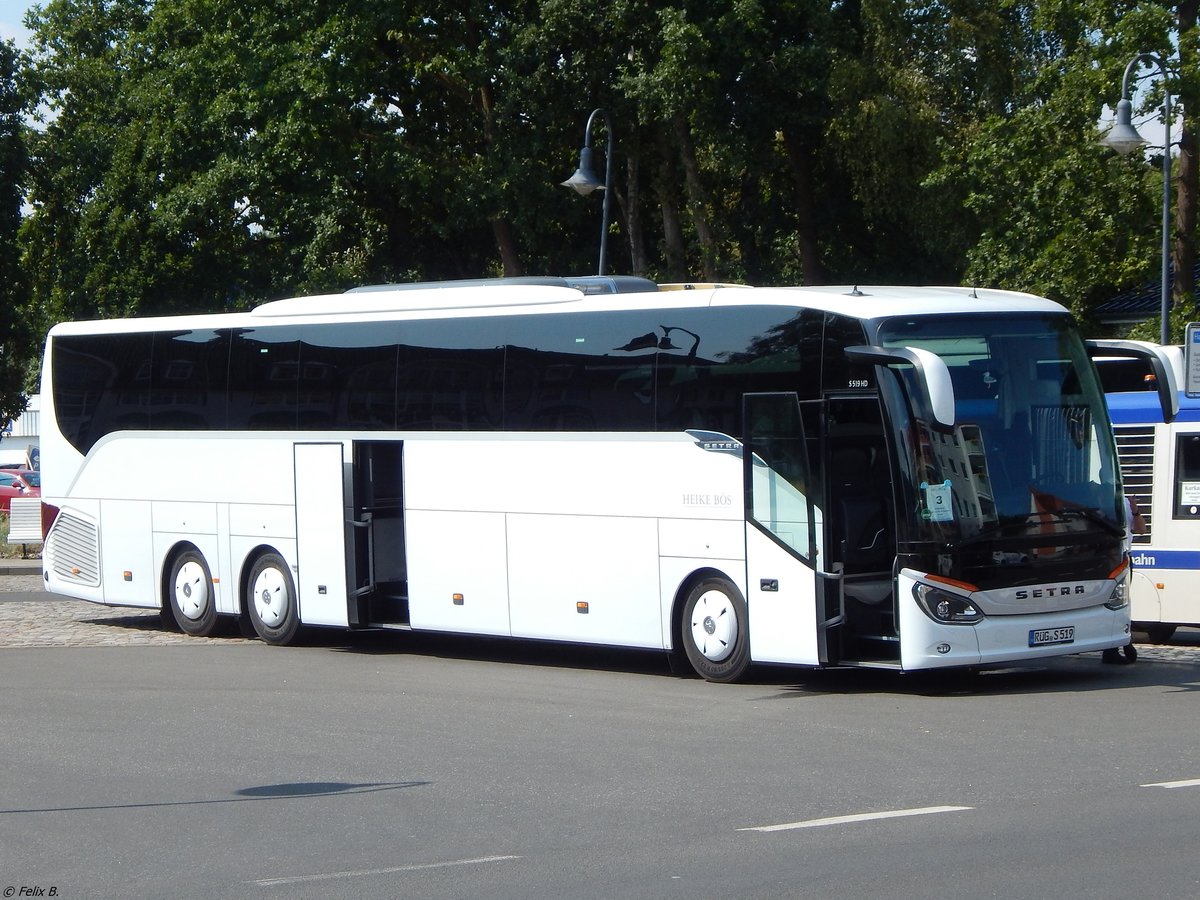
x=18, y=483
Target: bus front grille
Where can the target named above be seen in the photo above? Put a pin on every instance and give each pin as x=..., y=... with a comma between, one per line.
x=73, y=548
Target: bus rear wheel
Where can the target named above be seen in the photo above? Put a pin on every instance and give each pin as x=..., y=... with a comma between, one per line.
x=271, y=603
x=714, y=630
x=1160, y=634
x=191, y=595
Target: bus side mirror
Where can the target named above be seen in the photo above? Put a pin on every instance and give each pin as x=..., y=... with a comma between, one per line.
x=1160, y=365
x=931, y=371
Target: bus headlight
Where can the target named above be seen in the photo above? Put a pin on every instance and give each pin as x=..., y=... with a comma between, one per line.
x=1120, y=594
x=946, y=608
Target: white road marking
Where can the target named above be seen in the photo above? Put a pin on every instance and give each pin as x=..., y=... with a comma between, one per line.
x=1191, y=782
x=329, y=876
x=860, y=817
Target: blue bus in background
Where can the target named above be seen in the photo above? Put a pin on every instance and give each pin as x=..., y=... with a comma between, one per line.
x=1160, y=471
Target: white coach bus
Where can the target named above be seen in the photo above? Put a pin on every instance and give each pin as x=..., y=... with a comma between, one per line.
x=906, y=478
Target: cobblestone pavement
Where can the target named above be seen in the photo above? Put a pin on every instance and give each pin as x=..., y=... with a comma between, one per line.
x=51, y=621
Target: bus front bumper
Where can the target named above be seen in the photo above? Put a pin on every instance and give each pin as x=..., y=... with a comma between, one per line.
x=926, y=644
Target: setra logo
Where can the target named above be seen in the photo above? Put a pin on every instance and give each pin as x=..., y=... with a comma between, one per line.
x=1055, y=591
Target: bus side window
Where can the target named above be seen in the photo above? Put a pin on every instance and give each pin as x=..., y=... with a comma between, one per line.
x=1187, y=476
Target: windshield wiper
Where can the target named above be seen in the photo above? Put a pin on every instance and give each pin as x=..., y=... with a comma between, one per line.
x=1093, y=516
x=1015, y=530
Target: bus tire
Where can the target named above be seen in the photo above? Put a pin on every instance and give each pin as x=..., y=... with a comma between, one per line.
x=714, y=630
x=271, y=600
x=190, y=593
x=1160, y=634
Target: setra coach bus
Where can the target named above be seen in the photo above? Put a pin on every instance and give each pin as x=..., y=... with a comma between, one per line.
x=897, y=477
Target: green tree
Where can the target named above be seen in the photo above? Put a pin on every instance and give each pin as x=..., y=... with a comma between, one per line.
x=1058, y=214
x=18, y=345
x=202, y=154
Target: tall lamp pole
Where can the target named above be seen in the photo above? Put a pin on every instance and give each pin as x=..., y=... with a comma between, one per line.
x=1124, y=138
x=584, y=181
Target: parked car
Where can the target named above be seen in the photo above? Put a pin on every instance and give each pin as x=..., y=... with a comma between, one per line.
x=18, y=483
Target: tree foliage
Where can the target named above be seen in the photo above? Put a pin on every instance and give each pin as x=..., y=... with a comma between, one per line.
x=210, y=154
x=17, y=334
x=1061, y=215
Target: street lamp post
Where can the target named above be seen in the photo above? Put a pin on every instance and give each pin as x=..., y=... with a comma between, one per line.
x=584, y=181
x=1124, y=138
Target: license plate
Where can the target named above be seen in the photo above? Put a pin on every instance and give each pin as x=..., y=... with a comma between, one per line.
x=1042, y=636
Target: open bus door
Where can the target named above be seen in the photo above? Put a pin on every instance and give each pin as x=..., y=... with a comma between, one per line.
x=819, y=484
x=793, y=616
x=375, y=543
x=861, y=530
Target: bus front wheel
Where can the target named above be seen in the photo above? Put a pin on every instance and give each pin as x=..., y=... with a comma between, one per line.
x=272, y=600
x=714, y=630
x=190, y=588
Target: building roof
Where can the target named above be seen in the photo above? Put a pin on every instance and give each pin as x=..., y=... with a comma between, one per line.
x=1137, y=304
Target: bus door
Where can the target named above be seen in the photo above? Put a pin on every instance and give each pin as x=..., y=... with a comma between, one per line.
x=377, y=575
x=794, y=603
x=861, y=528
x=320, y=532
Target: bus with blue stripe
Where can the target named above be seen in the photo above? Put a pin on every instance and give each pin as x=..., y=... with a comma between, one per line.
x=1160, y=471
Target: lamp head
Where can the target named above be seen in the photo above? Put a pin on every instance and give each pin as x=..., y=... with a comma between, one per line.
x=1123, y=137
x=584, y=181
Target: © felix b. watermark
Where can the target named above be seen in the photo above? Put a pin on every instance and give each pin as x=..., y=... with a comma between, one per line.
x=30, y=890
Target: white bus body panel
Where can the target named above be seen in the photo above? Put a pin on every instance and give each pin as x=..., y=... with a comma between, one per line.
x=184, y=518
x=263, y=522
x=607, y=563
x=1179, y=602
x=1165, y=584
x=625, y=552
x=621, y=475
x=457, y=553
x=172, y=493
x=1145, y=599
x=321, y=534
x=126, y=545
x=705, y=539
x=521, y=570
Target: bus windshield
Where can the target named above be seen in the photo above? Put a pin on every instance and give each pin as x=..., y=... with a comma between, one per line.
x=1032, y=454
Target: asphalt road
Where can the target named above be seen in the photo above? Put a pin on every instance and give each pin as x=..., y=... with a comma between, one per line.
x=427, y=767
